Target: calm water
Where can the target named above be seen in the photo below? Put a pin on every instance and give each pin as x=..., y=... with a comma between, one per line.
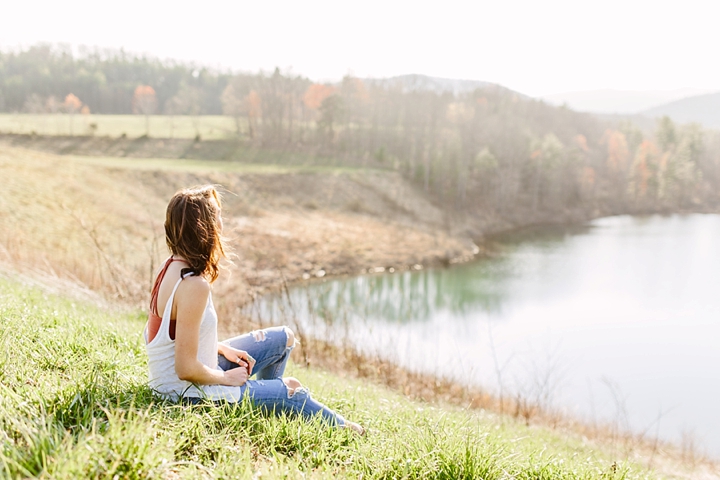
x=616, y=320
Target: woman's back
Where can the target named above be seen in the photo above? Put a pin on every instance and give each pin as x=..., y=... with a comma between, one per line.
x=165, y=281
x=161, y=345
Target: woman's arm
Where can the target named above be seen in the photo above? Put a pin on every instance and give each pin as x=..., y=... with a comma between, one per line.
x=191, y=299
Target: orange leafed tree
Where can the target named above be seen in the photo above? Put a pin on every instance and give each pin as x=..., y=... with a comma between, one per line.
x=72, y=104
x=647, y=154
x=581, y=142
x=316, y=94
x=144, y=100
x=618, y=153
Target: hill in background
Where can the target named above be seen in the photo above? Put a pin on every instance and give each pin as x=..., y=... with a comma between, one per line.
x=625, y=102
x=703, y=109
x=424, y=83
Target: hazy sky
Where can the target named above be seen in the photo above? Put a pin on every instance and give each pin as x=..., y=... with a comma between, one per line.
x=535, y=47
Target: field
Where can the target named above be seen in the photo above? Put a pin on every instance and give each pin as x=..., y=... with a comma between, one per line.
x=132, y=126
x=79, y=240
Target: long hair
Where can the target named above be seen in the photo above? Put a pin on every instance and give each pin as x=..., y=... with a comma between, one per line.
x=192, y=230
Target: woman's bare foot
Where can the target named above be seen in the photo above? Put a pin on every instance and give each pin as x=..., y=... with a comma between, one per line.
x=355, y=427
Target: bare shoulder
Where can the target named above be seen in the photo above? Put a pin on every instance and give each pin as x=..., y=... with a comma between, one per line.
x=194, y=287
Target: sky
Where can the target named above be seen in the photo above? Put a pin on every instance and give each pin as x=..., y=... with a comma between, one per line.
x=535, y=47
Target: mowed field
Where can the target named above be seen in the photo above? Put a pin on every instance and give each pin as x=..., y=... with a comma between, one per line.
x=132, y=126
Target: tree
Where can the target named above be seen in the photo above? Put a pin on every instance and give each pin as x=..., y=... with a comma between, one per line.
x=316, y=94
x=253, y=105
x=330, y=110
x=144, y=102
x=187, y=101
x=71, y=105
x=34, y=104
x=233, y=104
x=666, y=134
x=546, y=155
x=617, y=150
x=645, y=164
x=682, y=162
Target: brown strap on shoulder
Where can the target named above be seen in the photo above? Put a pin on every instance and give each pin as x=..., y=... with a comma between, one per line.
x=156, y=286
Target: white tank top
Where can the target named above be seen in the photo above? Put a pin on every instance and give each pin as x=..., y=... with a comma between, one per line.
x=161, y=358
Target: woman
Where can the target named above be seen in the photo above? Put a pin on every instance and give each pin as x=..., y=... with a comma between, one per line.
x=186, y=361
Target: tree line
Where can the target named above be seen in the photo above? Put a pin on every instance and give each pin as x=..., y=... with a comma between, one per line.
x=486, y=149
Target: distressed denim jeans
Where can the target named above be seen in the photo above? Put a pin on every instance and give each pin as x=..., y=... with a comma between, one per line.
x=269, y=349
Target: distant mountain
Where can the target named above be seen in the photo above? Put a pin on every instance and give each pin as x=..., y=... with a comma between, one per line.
x=416, y=82
x=704, y=109
x=619, y=101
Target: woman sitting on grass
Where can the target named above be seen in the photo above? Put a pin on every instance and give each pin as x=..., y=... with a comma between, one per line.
x=186, y=361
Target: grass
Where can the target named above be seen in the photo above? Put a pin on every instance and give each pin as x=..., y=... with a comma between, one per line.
x=132, y=126
x=204, y=166
x=72, y=397
x=73, y=403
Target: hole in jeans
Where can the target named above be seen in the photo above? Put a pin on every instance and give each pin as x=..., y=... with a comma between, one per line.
x=258, y=335
x=291, y=340
x=291, y=392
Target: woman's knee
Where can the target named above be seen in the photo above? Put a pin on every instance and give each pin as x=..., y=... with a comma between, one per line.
x=292, y=385
x=290, y=337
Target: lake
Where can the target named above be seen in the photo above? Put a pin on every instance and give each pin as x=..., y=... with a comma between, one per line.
x=617, y=320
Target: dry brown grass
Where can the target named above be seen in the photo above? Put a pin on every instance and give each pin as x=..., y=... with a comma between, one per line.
x=62, y=219
x=101, y=226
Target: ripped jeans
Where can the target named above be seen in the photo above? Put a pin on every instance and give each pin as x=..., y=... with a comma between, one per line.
x=268, y=391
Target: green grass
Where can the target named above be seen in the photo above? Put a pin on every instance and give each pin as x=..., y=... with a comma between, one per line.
x=133, y=126
x=73, y=404
x=195, y=165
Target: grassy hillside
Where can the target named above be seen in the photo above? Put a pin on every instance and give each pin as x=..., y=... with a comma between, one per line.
x=97, y=222
x=131, y=126
x=72, y=396
x=73, y=404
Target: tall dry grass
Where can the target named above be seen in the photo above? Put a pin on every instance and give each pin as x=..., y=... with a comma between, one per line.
x=96, y=229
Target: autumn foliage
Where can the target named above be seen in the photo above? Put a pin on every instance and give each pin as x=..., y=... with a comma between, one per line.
x=617, y=150
x=316, y=94
x=144, y=100
x=72, y=104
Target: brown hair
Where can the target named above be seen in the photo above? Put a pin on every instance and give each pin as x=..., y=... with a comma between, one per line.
x=192, y=230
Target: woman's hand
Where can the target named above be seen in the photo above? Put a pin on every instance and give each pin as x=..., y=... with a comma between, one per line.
x=236, y=377
x=241, y=357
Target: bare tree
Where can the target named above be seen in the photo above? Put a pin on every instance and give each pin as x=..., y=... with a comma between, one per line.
x=187, y=102
x=145, y=102
x=233, y=103
x=71, y=105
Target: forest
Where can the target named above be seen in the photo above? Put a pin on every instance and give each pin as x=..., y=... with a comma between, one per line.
x=486, y=149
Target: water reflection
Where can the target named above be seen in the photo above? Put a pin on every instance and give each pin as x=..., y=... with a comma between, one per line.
x=623, y=304
x=405, y=297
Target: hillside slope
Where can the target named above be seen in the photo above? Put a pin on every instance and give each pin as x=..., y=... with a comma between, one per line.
x=97, y=221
